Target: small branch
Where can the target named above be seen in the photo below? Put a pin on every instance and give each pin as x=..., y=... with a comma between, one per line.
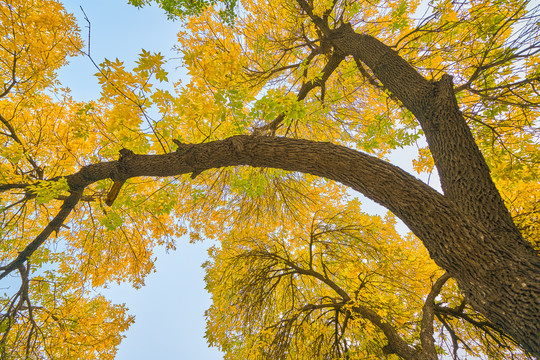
x=13, y=77
x=395, y=341
x=89, y=29
x=428, y=314
x=320, y=23
x=55, y=224
x=15, y=137
x=453, y=336
x=6, y=187
x=118, y=178
x=120, y=91
x=114, y=191
x=487, y=327
x=332, y=64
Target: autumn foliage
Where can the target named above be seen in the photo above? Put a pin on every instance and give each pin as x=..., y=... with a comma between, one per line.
x=300, y=271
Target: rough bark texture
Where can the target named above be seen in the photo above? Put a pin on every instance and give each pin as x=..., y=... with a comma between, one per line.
x=499, y=274
x=497, y=270
x=467, y=231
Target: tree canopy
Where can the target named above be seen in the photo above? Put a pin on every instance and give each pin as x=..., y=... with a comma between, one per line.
x=289, y=105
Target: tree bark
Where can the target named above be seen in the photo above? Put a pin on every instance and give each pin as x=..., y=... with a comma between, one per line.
x=502, y=270
x=501, y=281
x=499, y=276
x=467, y=231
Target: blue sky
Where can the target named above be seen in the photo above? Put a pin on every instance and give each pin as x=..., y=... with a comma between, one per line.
x=170, y=309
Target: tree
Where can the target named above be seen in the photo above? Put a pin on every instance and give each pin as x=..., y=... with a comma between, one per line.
x=311, y=98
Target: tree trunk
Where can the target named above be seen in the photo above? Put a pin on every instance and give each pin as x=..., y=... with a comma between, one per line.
x=499, y=274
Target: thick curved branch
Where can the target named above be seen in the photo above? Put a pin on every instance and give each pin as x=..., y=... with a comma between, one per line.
x=360, y=171
x=454, y=240
x=418, y=205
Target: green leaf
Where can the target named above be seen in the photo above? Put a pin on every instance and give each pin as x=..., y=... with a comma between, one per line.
x=46, y=191
x=111, y=221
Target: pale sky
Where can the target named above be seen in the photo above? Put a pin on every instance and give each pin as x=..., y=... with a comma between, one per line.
x=170, y=309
